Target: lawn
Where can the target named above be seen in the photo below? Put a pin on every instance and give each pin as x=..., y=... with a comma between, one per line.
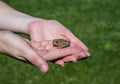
x=95, y=22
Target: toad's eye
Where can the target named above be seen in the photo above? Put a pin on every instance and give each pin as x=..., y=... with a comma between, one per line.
x=56, y=42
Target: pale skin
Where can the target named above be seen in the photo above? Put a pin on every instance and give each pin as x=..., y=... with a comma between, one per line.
x=42, y=32
x=21, y=49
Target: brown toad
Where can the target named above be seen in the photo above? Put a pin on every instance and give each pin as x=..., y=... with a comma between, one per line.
x=61, y=43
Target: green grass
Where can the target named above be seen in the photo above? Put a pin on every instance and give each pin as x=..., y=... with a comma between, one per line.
x=95, y=22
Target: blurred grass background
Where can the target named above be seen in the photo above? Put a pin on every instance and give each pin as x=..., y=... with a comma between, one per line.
x=95, y=22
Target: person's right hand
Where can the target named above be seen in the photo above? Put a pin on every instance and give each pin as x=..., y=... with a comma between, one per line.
x=42, y=30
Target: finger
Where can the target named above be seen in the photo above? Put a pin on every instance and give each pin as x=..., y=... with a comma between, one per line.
x=81, y=52
x=88, y=54
x=75, y=40
x=25, y=51
x=55, y=53
x=70, y=59
x=78, y=42
x=84, y=55
x=39, y=62
x=74, y=58
x=34, y=58
x=60, y=62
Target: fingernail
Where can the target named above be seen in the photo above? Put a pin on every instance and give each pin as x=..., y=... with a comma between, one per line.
x=88, y=54
x=75, y=60
x=60, y=63
x=43, y=68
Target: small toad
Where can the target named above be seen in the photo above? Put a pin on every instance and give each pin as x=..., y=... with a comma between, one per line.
x=61, y=43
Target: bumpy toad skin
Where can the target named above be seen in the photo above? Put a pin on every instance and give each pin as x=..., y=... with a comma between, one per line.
x=61, y=43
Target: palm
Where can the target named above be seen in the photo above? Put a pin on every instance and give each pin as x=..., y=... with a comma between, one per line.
x=49, y=30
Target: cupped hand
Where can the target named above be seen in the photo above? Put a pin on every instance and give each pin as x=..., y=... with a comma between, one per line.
x=42, y=30
x=51, y=53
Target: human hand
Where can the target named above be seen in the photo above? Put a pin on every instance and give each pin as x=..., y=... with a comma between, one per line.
x=42, y=30
x=22, y=49
x=39, y=30
x=51, y=53
x=19, y=48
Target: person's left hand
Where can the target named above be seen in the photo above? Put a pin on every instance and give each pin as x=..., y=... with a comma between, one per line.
x=20, y=48
x=43, y=30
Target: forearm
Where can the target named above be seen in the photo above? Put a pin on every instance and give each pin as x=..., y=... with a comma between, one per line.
x=13, y=20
